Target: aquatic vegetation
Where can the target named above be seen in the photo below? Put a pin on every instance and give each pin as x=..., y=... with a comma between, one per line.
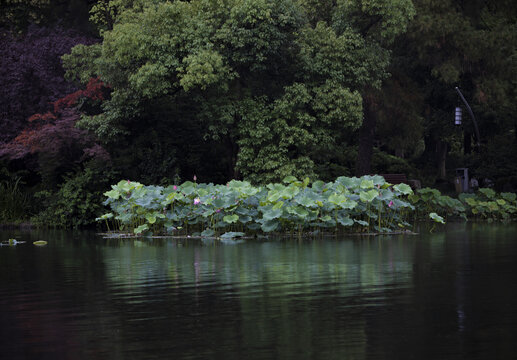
x=429, y=200
x=485, y=204
x=366, y=204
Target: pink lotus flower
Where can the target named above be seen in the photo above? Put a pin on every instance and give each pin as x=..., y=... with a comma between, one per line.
x=175, y=187
x=197, y=201
x=195, y=177
x=390, y=204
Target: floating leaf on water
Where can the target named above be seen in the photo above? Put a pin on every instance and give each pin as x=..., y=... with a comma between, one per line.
x=40, y=242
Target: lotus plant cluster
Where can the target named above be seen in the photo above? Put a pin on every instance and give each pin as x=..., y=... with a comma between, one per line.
x=366, y=204
x=485, y=204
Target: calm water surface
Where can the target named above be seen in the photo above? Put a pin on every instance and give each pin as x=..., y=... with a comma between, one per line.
x=447, y=295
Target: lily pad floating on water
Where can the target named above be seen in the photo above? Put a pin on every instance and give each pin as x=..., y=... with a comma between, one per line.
x=40, y=243
x=11, y=242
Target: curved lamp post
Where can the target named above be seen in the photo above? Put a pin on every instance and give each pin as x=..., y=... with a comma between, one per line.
x=457, y=120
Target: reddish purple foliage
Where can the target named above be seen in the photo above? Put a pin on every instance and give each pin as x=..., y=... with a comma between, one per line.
x=55, y=133
x=31, y=75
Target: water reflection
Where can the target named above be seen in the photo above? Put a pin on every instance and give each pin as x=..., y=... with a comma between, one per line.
x=440, y=295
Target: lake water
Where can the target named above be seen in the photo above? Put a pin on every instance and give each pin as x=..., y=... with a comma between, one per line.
x=446, y=295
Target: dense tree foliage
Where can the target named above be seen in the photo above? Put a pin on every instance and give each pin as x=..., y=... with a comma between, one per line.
x=31, y=76
x=470, y=44
x=275, y=87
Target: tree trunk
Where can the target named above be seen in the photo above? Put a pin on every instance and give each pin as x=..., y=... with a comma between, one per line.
x=366, y=137
x=441, y=155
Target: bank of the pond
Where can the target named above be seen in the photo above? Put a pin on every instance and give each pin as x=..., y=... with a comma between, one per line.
x=348, y=205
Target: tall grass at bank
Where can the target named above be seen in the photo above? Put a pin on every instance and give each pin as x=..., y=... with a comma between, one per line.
x=14, y=202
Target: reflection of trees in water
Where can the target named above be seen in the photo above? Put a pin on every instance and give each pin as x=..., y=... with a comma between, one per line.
x=274, y=297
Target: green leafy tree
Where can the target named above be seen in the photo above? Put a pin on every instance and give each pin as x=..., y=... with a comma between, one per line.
x=266, y=86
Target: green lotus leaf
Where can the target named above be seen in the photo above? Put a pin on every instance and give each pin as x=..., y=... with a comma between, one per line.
x=230, y=219
x=245, y=219
x=492, y=206
x=299, y=211
x=471, y=201
x=105, y=217
x=361, y=222
x=151, y=218
x=232, y=234
x=368, y=196
x=337, y=199
x=208, y=232
x=404, y=189
x=289, y=179
x=278, y=205
x=437, y=218
x=219, y=203
x=318, y=185
x=326, y=218
x=273, y=196
x=510, y=197
x=39, y=242
x=489, y=193
x=112, y=194
x=306, y=201
x=366, y=184
x=272, y=214
x=345, y=220
x=350, y=183
x=141, y=229
x=269, y=225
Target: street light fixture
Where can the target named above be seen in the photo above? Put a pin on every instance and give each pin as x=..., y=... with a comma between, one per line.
x=457, y=117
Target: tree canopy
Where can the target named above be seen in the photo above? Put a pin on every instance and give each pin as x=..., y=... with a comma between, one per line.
x=273, y=85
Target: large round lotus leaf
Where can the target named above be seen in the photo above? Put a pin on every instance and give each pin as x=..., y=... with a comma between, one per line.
x=345, y=220
x=269, y=225
x=230, y=219
x=366, y=184
x=272, y=214
x=318, y=185
x=350, y=183
x=289, y=179
x=368, y=196
x=404, y=189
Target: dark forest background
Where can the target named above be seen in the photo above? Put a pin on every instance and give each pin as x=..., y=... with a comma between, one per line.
x=159, y=92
